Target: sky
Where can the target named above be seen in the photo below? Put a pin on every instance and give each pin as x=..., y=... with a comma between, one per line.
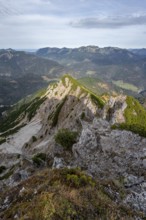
x=33, y=24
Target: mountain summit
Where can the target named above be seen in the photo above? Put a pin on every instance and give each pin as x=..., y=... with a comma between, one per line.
x=67, y=141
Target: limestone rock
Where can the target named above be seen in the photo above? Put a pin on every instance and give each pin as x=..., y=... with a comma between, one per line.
x=132, y=180
x=137, y=201
x=87, y=145
x=58, y=163
x=114, y=109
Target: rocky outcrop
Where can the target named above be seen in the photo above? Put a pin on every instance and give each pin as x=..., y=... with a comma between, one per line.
x=116, y=147
x=58, y=163
x=114, y=109
x=102, y=152
x=114, y=154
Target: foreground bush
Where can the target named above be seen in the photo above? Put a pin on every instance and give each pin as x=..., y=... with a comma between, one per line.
x=65, y=194
x=66, y=138
x=39, y=159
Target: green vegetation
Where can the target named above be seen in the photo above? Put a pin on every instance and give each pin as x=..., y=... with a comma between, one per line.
x=135, y=116
x=2, y=140
x=83, y=115
x=126, y=86
x=7, y=175
x=56, y=113
x=66, y=194
x=13, y=117
x=2, y=169
x=39, y=159
x=29, y=106
x=95, y=85
x=53, y=85
x=40, y=93
x=18, y=156
x=34, y=139
x=75, y=84
x=11, y=131
x=97, y=100
x=28, y=99
x=34, y=107
x=66, y=138
x=76, y=178
x=25, y=106
x=8, y=125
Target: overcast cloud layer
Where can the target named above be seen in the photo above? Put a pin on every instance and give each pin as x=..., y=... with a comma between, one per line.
x=28, y=24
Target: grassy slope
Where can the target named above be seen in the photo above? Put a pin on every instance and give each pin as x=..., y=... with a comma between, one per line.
x=65, y=194
x=100, y=87
x=75, y=84
x=126, y=86
x=95, y=85
x=28, y=106
x=135, y=116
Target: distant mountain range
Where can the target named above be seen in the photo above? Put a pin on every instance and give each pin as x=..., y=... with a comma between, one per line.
x=107, y=63
x=22, y=74
x=140, y=52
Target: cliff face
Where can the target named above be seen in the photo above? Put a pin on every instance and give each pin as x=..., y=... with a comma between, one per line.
x=72, y=127
x=31, y=126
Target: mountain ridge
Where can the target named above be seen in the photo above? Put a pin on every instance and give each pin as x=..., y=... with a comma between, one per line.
x=66, y=127
x=22, y=74
x=105, y=63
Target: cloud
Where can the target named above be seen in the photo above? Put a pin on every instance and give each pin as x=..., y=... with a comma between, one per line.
x=40, y=23
x=111, y=22
x=8, y=9
x=19, y=7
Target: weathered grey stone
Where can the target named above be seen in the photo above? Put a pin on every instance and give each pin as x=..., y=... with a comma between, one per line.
x=144, y=163
x=132, y=180
x=137, y=201
x=114, y=109
x=58, y=163
x=101, y=151
x=87, y=145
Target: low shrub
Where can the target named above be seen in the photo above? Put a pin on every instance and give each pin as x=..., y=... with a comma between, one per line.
x=83, y=115
x=12, y=131
x=2, y=169
x=58, y=110
x=97, y=100
x=3, y=140
x=7, y=175
x=39, y=159
x=66, y=138
x=76, y=178
x=34, y=106
x=34, y=139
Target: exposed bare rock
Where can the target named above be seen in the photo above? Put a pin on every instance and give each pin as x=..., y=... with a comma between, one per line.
x=87, y=145
x=132, y=180
x=102, y=152
x=114, y=109
x=58, y=163
x=137, y=201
